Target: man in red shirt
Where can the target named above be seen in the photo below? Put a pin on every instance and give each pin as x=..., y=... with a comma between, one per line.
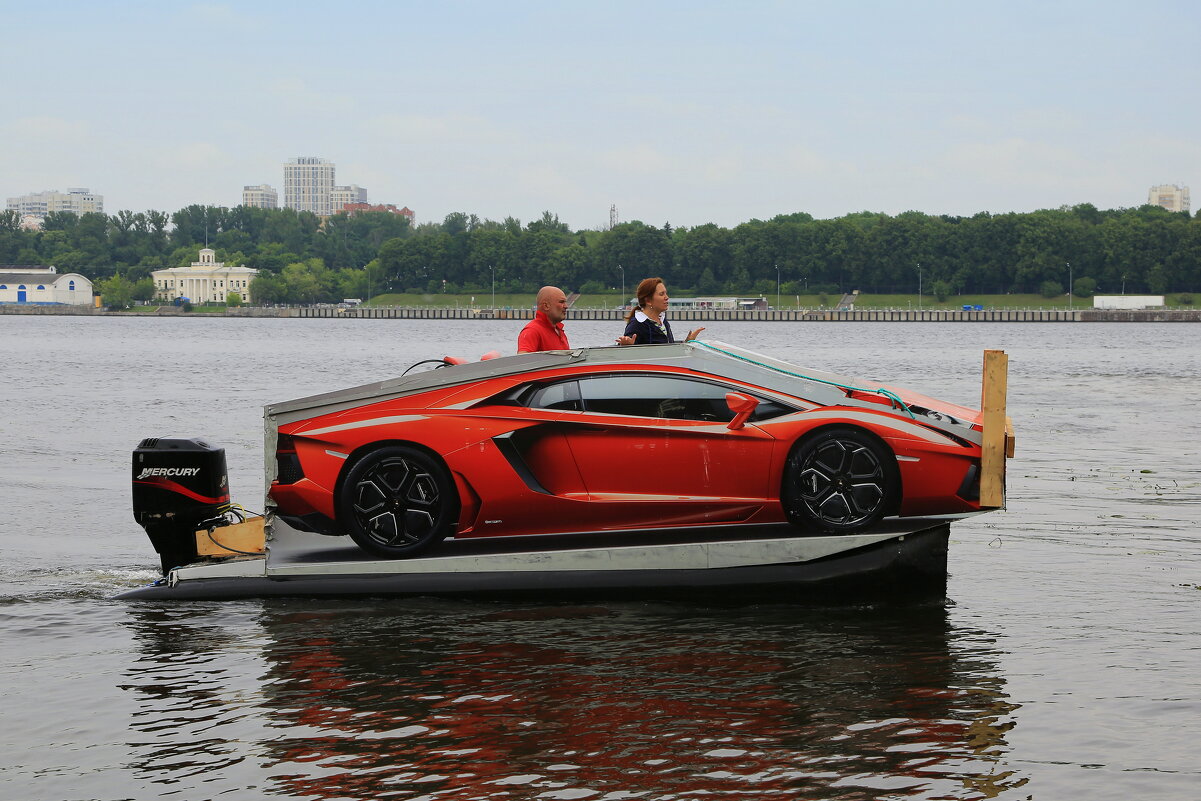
x=545, y=331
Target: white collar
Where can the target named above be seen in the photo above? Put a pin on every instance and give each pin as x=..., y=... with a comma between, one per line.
x=641, y=317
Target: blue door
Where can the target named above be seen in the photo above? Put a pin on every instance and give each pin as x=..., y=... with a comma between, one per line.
x=21, y=294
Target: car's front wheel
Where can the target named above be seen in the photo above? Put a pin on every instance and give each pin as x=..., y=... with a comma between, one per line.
x=840, y=481
x=397, y=501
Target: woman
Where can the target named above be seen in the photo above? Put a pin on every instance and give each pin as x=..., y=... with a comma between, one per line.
x=647, y=324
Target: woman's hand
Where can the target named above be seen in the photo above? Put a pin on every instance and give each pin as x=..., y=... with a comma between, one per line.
x=694, y=334
x=626, y=340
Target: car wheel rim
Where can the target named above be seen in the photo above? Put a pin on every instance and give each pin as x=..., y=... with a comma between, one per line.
x=842, y=483
x=396, y=502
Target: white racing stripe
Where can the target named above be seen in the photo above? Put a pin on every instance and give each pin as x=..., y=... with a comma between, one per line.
x=375, y=421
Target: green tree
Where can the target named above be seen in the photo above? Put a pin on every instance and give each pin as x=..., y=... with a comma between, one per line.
x=268, y=288
x=1158, y=279
x=706, y=248
x=116, y=293
x=1084, y=287
x=1050, y=289
x=309, y=282
x=143, y=289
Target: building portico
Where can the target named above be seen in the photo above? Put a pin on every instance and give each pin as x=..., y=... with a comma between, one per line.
x=205, y=281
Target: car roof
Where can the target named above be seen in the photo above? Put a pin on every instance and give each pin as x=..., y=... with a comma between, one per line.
x=711, y=358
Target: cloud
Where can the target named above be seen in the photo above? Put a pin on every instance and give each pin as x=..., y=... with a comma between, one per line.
x=47, y=129
x=298, y=97
x=1012, y=162
x=218, y=15
x=189, y=155
x=427, y=129
x=640, y=159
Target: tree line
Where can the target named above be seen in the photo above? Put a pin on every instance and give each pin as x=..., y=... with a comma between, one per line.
x=304, y=259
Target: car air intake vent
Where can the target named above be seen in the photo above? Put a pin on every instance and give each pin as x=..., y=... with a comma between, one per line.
x=288, y=469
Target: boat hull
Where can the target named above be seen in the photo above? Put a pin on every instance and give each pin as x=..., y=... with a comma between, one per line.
x=900, y=560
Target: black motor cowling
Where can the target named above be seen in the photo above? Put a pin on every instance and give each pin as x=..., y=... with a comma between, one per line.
x=178, y=485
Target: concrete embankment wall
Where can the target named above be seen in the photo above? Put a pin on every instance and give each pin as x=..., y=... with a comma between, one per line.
x=783, y=315
x=695, y=315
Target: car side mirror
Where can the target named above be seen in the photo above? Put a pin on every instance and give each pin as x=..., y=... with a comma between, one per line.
x=742, y=406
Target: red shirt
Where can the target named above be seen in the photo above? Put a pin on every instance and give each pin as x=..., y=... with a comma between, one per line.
x=541, y=334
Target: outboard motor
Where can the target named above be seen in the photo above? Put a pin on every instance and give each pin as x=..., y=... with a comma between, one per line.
x=179, y=485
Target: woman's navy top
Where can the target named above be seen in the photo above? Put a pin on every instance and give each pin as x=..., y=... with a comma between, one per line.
x=647, y=332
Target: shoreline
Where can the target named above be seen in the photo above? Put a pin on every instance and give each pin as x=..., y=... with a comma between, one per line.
x=692, y=315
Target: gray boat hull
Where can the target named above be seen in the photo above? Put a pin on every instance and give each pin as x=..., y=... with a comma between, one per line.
x=901, y=559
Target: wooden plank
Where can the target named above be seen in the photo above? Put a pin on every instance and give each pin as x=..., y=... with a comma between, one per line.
x=233, y=540
x=997, y=440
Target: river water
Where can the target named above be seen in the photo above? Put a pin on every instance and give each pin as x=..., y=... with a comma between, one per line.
x=1066, y=662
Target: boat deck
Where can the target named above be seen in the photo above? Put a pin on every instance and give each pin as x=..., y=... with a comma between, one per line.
x=900, y=556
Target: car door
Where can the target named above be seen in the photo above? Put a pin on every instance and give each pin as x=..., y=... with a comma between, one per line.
x=655, y=450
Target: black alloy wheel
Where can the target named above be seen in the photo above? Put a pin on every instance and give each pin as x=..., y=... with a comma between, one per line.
x=840, y=481
x=397, y=501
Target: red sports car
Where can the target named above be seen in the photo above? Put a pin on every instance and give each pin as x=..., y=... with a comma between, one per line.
x=607, y=440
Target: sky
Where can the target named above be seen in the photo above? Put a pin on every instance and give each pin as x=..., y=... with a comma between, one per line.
x=673, y=112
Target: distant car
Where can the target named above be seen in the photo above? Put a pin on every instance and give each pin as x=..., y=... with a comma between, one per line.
x=616, y=440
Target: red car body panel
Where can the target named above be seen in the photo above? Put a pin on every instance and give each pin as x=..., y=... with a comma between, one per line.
x=519, y=469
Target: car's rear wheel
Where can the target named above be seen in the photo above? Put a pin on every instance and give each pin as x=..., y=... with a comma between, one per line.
x=840, y=481
x=397, y=501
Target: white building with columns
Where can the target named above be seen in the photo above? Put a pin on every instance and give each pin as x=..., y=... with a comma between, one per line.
x=205, y=281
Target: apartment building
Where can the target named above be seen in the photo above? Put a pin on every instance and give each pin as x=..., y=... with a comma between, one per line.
x=341, y=195
x=1169, y=196
x=75, y=200
x=261, y=197
x=308, y=185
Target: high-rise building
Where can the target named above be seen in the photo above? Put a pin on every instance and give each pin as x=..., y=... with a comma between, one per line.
x=341, y=195
x=308, y=183
x=1169, y=196
x=261, y=196
x=75, y=200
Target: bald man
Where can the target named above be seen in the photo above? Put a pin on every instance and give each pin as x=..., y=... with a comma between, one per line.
x=545, y=331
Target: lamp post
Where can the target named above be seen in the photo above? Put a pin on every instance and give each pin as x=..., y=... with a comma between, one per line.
x=1069, y=286
x=777, y=286
x=493, y=269
x=919, y=286
x=623, y=285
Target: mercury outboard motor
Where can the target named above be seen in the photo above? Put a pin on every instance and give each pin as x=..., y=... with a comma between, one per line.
x=178, y=486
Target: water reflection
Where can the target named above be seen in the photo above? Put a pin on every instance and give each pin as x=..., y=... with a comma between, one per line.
x=382, y=698
x=197, y=685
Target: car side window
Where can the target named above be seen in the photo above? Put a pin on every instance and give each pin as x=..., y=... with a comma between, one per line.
x=564, y=396
x=767, y=409
x=664, y=397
